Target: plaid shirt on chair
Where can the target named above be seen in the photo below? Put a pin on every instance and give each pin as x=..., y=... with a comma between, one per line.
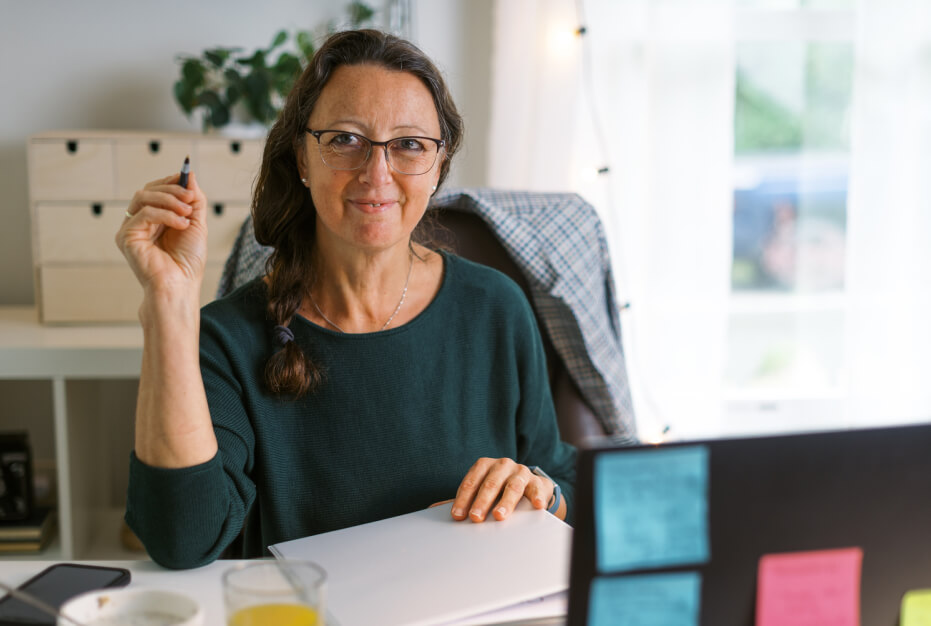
x=558, y=242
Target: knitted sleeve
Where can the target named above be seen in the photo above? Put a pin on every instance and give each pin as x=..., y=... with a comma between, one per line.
x=186, y=517
x=539, y=442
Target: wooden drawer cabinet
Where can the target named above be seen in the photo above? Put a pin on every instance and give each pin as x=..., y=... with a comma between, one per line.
x=80, y=183
x=223, y=223
x=92, y=293
x=62, y=168
x=72, y=232
x=228, y=167
x=141, y=159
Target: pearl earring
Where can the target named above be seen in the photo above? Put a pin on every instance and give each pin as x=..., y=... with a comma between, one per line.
x=304, y=180
x=434, y=187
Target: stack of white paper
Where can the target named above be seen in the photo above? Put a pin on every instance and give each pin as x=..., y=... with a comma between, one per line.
x=424, y=568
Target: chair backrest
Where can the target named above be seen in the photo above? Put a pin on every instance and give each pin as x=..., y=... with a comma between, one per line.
x=469, y=236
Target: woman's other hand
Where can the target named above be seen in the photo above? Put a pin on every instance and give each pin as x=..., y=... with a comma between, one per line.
x=164, y=236
x=496, y=486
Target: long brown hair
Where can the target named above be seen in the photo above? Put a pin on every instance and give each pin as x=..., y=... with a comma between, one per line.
x=283, y=211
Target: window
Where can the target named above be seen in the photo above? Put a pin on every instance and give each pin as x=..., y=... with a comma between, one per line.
x=786, y=327
x=761, y=169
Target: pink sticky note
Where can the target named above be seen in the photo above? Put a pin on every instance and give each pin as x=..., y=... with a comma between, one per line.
x=818, y=588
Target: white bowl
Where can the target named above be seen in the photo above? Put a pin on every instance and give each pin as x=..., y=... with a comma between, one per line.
x=133, y=607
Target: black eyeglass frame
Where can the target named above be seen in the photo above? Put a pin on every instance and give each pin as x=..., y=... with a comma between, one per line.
x=440, y=145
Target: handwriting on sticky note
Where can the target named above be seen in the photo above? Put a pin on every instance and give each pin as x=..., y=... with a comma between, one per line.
x=916, y=608
x=646, y=600
x=817, y=588
x=651, y=508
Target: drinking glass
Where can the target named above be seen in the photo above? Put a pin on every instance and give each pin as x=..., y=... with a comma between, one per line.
x=281, y=592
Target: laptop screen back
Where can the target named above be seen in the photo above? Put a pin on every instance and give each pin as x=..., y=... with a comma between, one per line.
x=683, y=526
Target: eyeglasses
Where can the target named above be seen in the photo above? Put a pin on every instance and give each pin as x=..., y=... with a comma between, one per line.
x=343, y=150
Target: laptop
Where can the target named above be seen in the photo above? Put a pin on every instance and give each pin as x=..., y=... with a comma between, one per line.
x=741, y=499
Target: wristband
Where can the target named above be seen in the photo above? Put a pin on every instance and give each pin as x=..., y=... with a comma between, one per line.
x=557, y=492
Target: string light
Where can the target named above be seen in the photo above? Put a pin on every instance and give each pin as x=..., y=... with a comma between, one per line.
x=658, y=432
x=589, y=172
x=657, y=437
x=581, y=32
x=561, y=41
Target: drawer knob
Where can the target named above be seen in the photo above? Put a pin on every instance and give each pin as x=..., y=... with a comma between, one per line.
x=72, y=146
x=235, y=147
x=154, y=147
x=97, y=209
x=218, y=208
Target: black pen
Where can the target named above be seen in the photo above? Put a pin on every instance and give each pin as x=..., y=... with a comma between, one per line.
x=185, y=170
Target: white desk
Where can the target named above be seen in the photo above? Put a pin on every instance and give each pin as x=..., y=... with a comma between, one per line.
x=203, y=583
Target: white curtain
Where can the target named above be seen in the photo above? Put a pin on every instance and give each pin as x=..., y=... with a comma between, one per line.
x=889, y=216
x=535, y=91
x=659, y=115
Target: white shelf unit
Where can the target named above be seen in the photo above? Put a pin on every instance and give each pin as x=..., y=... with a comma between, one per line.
x=92, y=374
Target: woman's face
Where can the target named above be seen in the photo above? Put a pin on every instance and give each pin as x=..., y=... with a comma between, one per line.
x=374, y=207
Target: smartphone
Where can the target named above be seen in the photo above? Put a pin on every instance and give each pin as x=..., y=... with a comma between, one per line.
x=55, y=585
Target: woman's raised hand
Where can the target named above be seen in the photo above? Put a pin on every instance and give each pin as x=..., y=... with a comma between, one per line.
x=164, y=236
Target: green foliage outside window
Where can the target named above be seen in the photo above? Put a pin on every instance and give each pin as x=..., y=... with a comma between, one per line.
x=765, y=123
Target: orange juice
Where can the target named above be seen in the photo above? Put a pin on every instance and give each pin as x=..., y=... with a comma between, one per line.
x=277, y=614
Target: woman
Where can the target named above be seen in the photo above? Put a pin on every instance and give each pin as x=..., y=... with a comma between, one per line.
x=365, y=374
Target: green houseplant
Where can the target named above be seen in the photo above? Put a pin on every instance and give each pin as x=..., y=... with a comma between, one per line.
x=224, y=84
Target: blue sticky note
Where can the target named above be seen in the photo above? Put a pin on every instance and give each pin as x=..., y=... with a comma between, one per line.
x=646, y=600
x=651, y=508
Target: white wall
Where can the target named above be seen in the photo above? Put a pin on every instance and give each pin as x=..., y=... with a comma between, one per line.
x=457, y=34
x=110, y=64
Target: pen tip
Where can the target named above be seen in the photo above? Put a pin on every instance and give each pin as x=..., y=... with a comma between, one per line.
x=187, y=159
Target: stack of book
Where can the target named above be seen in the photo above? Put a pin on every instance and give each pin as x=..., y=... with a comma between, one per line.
x=28, y=535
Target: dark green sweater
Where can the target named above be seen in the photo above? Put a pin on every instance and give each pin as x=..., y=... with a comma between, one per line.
x=399, y=420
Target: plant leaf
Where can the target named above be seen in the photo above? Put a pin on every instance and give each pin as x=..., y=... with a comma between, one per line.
x=359, y=12
x=256, y=61
x=305, y=44
x=280, y=38
x=218, y=56
x=286, y=68
x=218, y=113
x=208, y=98
x=232, y=76
x=257, y=97
x=184, y=95
x=193, y=73
x=219, y=116
x=233, y=94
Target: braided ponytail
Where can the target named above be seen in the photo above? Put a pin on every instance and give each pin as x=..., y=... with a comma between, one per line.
x=289, y=370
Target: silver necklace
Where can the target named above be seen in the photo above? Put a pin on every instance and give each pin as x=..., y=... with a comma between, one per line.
x=410, y=269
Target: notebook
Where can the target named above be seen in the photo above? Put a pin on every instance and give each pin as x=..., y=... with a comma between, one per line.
x=727, y=503
x=423, y=568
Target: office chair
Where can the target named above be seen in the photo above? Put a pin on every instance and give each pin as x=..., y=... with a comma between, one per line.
x=467, y=235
